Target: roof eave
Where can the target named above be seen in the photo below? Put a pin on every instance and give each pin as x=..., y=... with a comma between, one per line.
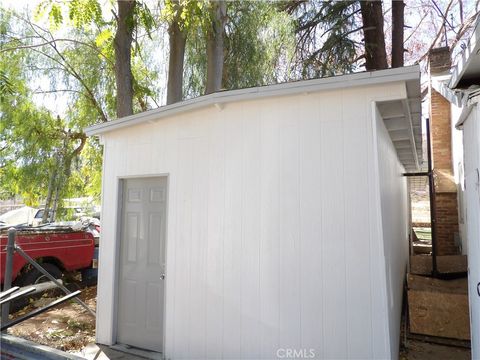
x=466, y=57
x=297, y=87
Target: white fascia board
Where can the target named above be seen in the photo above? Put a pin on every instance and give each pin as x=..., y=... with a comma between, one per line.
x=466, y=57
x=466, y=110
x=470, y=100
x=297, y=87
x=455, y=97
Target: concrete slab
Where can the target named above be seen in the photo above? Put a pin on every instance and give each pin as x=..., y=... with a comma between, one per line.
x=117, y=352
x=12, y=347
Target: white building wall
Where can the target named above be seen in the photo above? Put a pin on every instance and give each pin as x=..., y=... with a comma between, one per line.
x=274, y=237
x=394, y=208
x=458, y=174
x=471, y=138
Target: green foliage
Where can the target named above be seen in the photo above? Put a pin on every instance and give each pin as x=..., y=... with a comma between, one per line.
x=327, y=38
x=144, y=18
x=6, y=87
x=259, y=43
x=188, y=13
x=261, y=40
x=33, y=141
x=81, y=13
x=85, y=12
x=55, y=15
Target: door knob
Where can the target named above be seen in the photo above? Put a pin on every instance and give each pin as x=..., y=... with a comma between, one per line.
x=162, y=277
x=478, y=289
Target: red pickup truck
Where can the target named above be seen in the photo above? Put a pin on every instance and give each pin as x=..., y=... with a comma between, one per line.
x=57, y=249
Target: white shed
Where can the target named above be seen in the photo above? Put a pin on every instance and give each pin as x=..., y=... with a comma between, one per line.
x=462, y=89
x=261, y=223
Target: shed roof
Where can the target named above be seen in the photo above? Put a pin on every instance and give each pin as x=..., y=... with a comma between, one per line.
x=402, y=117
x=462, y=85
x=467, y=69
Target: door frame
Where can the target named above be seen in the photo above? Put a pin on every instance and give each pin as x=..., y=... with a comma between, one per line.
x=118, y=233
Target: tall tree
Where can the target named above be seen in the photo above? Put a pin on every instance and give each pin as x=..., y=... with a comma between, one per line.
x=375, y=53
x=215, y=47
x=177, y=41
x=326, y=41
x=123, y=62
x=398, y=22
x=258, y=46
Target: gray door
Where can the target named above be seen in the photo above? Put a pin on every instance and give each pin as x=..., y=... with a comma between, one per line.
x=142, y=263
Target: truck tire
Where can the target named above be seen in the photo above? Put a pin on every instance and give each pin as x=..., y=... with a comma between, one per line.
x=33, y=276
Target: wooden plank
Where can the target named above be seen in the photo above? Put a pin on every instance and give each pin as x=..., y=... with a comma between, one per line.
x=438, y=307
x=440, y=340
x=423, y=283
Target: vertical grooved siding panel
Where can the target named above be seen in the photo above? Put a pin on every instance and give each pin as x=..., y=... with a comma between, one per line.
x=290, y=262
x=232, y=248
x=333, y=228
x=311, y=184
x=182, y=242
x=198, y=247
x=393, y=197
x=471, y=131
x=355, y=117
x=270, y=231
x=169, y=166
x=214, y=251
x=378, y=294
x=273, y=227
x=250, y=255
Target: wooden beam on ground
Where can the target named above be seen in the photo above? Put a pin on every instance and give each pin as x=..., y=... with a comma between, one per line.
x=438, y=307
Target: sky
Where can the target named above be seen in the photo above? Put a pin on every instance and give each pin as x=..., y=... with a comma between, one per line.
x=422, y=18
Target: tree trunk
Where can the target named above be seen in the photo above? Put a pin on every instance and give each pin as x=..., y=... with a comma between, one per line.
x=48, y=200
x=397, y=32
x=215, y=49
x=123, y=67
x=375, y=53
x=177, y=40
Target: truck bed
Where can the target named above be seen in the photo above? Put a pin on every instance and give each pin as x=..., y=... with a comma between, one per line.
x=70, y=249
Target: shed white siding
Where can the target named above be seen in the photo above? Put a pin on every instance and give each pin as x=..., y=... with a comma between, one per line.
x=471, y=138
x=394, y=215
x=286, y=226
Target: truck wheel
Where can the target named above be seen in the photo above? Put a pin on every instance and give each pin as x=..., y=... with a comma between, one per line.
x=33, y=276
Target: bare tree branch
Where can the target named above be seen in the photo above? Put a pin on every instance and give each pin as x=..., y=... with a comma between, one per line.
x=64, y=63
x=58, y=40
x=439, y=33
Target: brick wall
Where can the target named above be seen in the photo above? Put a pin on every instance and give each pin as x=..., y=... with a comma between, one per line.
x=439, y=60
x=447, y=222
x=441, y=131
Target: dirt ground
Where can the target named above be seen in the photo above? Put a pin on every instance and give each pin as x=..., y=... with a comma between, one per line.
x=68, y=327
